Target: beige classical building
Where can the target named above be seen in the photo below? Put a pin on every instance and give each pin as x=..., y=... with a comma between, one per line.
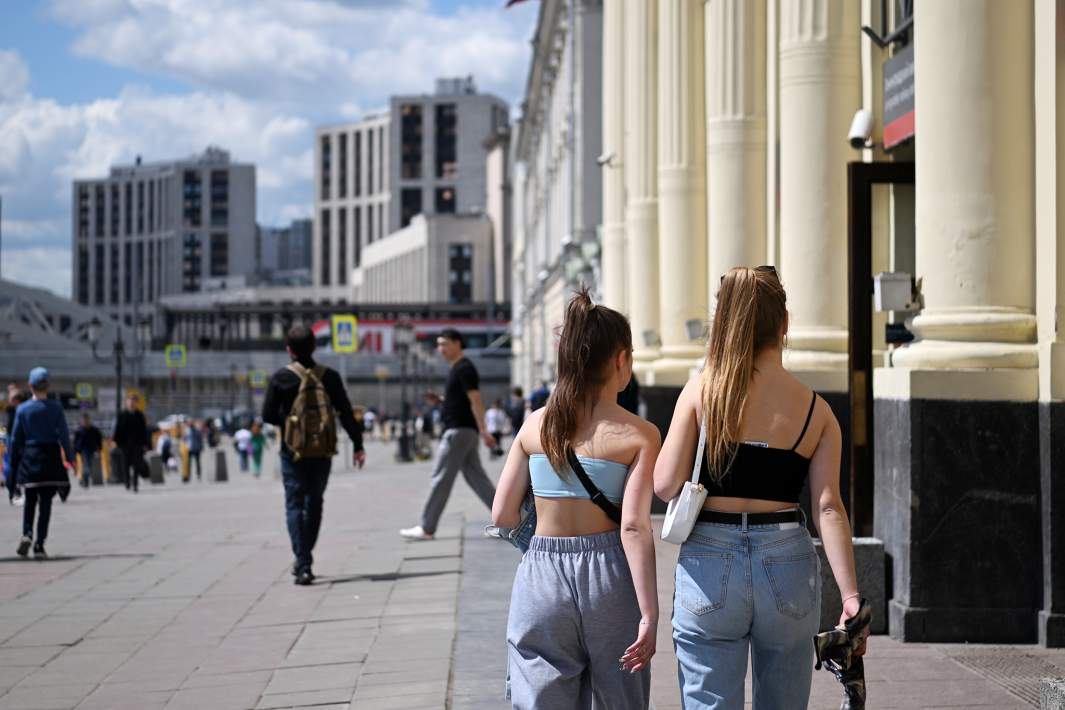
x=727, y=122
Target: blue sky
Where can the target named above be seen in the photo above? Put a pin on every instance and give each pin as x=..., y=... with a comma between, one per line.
x=88, y=83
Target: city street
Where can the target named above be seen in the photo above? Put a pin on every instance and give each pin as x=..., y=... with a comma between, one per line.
x=181, y=597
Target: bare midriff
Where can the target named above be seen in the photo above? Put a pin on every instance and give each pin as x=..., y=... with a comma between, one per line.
x=568, y=517
x=746, y=505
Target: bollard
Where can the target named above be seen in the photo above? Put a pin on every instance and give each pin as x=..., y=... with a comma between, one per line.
x=220, y=474
x=96, y=476
x=118, y=469
x=155, y=467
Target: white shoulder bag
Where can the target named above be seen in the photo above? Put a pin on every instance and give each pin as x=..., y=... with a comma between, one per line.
x=683, y=510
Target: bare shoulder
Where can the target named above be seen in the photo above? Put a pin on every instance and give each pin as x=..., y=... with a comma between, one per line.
x=639, y=430
x=529, y=435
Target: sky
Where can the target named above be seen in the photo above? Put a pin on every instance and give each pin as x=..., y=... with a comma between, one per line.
x=85, y=84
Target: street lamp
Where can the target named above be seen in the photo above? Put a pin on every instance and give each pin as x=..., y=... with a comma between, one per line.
x=117, y=354
x=404, y=339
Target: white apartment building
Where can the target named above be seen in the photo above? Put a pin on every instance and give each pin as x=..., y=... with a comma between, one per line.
x=152, y=229
x=425, y=155
x=557, y=181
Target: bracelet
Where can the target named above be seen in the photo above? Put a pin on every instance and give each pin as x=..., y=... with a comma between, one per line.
x=851, y=596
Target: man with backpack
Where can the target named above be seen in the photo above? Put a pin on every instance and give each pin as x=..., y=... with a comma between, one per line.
x=303, y=400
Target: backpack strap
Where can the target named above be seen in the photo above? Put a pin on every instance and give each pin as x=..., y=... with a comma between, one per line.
x=604, y=503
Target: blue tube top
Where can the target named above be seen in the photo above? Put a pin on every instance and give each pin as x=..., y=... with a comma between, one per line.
x=608, y=476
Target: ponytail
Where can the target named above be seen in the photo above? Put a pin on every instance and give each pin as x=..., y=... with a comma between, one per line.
x=591, y=336
x=750, y=316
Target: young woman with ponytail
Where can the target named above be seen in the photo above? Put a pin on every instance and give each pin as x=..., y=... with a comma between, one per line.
x=748, y=578
x=584, y=609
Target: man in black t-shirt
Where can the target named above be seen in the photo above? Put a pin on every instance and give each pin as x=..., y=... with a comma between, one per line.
x=463, y=420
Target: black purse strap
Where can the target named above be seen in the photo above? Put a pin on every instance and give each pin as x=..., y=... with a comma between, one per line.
x=597, y=496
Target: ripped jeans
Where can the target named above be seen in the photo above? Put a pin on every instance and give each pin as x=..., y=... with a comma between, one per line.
x=741, y=588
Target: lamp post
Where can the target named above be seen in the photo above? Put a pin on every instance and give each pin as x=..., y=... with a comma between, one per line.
x=117, y=354
x=404, y=339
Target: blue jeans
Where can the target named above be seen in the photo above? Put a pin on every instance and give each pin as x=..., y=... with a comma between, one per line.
x=742, y=587
x=305, y=482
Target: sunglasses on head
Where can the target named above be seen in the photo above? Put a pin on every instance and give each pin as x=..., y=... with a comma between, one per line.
x=764, y=267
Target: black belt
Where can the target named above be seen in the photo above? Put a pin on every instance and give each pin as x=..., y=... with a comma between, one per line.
x=786, y=516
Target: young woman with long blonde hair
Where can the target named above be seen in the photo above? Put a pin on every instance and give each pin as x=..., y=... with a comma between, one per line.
x=748, y=578
x=584, y=610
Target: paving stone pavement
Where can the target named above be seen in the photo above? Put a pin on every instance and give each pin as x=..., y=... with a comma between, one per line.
x=180, y=597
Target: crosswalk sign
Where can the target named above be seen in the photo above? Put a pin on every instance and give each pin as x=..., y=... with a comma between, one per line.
x=176, y=356
x=345, y=334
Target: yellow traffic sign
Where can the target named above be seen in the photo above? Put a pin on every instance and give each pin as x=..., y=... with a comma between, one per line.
x=176, y=356
x=83, y=390
x=257, y=378
x=345, y=330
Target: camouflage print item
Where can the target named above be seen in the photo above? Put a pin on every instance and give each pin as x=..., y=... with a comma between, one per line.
x=835, y=651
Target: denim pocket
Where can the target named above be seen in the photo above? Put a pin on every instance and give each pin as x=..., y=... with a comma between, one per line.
x=702, y=581
x=793, y=579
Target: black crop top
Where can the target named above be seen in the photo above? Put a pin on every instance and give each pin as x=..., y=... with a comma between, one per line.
x=762, y=472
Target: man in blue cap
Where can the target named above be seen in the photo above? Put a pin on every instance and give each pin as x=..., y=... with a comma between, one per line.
x=39, y=438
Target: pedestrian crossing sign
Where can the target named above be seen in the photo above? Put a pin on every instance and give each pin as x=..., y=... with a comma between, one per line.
x=345, y=334
x=257, y=378
x=83, y=391
x=176, y=356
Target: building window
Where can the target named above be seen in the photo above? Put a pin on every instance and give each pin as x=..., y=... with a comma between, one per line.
x=83, y=211
x=115, y=214
x=219, y=254
x=410, y=205
x=83, y=274
x=446, y=141
x=342, y=166
x=410, y=137
x=460, y=273
x=325, y=247
x=151, y=270
x=98, y=272
x=382, y=225
x=151, y=206
x=342, y=246
x=369, y=162
x=98, y=211
x=192, y=189
x=327, y=165
x=357, y=165
x=140, y=208
x=356, y=220
x=191, y=263
x=381, y=159
x=369, y=224
x=140, y=273
x=219, y=198
x=129, y=208
x=445, y=200
x=127, y=273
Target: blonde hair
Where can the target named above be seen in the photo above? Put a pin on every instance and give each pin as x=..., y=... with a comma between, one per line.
x=751, y=315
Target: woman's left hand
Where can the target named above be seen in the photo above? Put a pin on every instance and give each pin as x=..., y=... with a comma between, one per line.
x=850, y=609
x=638, y=655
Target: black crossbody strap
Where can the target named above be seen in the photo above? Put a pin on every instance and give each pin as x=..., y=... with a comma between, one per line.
x=597, y=496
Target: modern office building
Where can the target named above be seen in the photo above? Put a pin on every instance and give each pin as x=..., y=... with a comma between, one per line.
x=151, y=229
x=425, y=155
x=557, y=182
x=728, y=128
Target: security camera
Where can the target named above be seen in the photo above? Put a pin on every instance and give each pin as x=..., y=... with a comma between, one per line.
x=861, y=131
x=605, y=158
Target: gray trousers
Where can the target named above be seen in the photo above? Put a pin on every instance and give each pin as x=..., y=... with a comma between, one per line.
x=457, y=451
x=573, y=612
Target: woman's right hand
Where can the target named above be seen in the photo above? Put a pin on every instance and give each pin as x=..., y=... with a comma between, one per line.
x=638, y=655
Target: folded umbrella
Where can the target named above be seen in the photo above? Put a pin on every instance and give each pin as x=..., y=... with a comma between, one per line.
x=835, y=651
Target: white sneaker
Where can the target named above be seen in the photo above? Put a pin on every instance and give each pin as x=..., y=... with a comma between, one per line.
x=416, y=533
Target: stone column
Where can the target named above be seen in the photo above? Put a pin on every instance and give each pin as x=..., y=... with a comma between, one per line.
x=1050, y=302
x=819, y=92
x=641, y=178
x=613, y=260
x=736, y=135
x=682, y=188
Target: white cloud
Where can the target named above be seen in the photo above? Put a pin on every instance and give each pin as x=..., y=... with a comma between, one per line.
x=15, y=74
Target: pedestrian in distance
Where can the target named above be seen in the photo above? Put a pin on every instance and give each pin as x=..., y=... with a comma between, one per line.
x=258, y=445
x=194, y=440
x=496, y=420
x=584, y=607
x=748, y=578
x=88, y=442
x=132, y=438
x=39, y=440
x=303, y=400
x=464, y=424
x=15, y=397
x=516, y=410
x=539, y=396
x=242, y=443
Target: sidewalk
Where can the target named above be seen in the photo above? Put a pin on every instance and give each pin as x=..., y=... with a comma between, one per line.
x=180, y=597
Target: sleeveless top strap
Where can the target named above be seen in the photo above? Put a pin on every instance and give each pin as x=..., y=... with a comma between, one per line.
x=806, y=424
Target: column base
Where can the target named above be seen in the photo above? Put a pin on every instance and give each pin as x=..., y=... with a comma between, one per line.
x=1051, y=628
x=673, y=371
x=958, y=625
x=954, y=355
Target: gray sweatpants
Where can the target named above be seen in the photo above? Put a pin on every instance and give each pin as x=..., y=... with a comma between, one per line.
x=458, y=450
x=573, y=612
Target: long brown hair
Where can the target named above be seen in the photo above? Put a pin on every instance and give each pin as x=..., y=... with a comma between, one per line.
x=591, y=336
x=751, y=315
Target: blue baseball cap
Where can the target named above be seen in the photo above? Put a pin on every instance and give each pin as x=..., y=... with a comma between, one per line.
x=38, y=377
